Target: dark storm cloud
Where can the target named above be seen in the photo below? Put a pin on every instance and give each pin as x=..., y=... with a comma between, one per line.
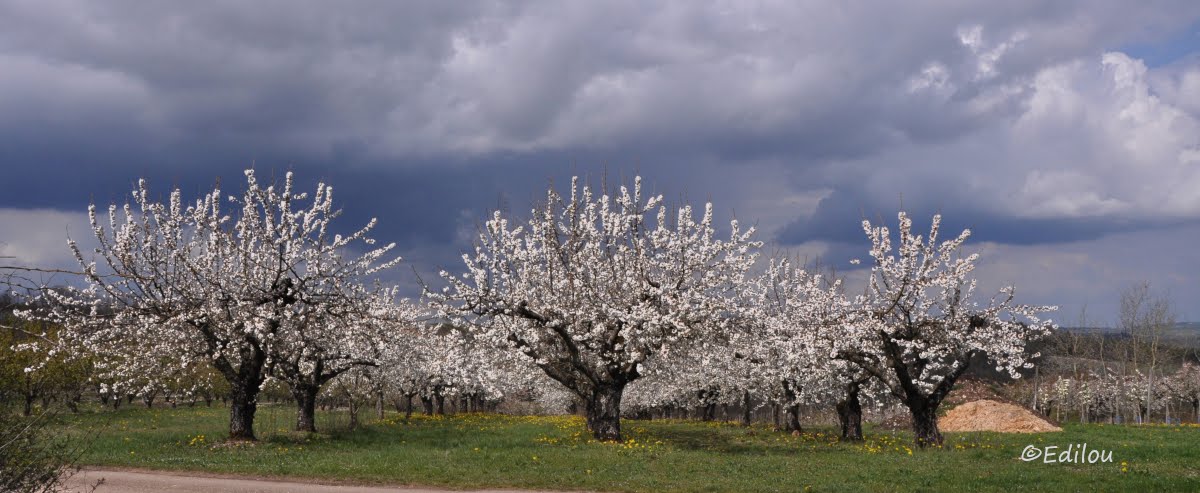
x=801, y=81
x=1008, y=116
x=119, y=89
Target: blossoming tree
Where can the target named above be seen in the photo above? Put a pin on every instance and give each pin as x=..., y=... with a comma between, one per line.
x=324, y=340
x=1185, y=384
x=921, y=326
x=171, y=283
x=593, y=286
x=802, y=315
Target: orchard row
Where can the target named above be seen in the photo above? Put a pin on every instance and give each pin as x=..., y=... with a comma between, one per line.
x=609, y=300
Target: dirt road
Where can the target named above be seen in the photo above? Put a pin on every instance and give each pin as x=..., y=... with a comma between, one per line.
x=156, y=482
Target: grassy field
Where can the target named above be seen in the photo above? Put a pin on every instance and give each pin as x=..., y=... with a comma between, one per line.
x=554, y=453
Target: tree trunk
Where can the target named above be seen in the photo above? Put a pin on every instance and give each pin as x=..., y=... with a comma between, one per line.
x=379, y=406
x=306, y=407
x=792, y=422
x=925, y=426
x=850, y=414
x=427, y=405
x=245, y=380
x=1033, y=404
x=28, y=410
x=746, y=408
x=441, y=403
x=604, y=412
x=408, y=406
x=793, y=418
x=243, y=404
x=1150, y=390
x=354, y=407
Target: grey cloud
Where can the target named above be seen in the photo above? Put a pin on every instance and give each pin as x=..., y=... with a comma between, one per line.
x=800, y=116
x=804, y=79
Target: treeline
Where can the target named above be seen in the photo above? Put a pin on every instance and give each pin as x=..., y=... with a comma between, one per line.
x=37, y=375
x=1138, y=372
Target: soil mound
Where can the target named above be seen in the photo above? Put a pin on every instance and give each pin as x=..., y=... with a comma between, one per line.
x=990, y=415
x=969, y=390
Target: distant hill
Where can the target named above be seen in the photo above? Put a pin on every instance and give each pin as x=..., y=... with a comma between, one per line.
x=1183, y=333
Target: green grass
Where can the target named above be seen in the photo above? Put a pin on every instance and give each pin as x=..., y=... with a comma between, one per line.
x=475, y=450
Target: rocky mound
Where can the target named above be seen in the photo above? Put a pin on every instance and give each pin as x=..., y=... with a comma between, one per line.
x=990, y=415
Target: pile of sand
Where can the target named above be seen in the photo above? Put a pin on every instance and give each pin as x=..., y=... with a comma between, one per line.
x=969, y=389
x=990, y=415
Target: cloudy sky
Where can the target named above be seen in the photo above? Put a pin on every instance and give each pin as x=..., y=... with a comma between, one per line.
x=1066, y=134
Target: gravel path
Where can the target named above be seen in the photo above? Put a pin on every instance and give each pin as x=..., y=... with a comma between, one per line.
x=117, y=481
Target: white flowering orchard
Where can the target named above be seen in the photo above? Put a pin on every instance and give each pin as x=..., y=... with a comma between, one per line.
x=594, y=291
